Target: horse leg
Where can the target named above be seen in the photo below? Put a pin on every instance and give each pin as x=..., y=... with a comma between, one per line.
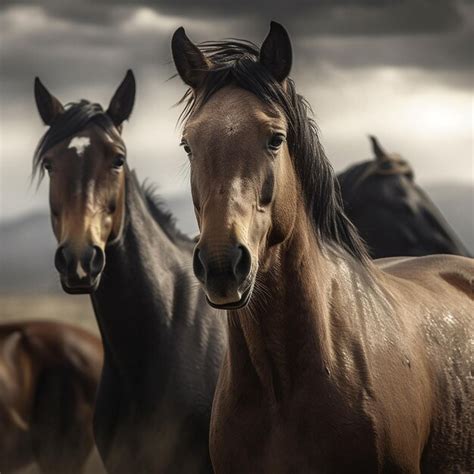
x=108, y=423
x=62, y=424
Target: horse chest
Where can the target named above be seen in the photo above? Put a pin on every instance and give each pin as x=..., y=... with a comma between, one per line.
x=298, y=435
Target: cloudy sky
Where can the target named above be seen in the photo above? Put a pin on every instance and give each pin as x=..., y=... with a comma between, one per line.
x=400, y=69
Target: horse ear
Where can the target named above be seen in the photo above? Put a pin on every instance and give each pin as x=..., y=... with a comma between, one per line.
x=276, y=54
x=48, y=106
x=122, y=102
x=190, y=62
x=379, y=152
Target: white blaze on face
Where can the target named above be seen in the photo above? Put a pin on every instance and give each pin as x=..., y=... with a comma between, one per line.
x=80, y=144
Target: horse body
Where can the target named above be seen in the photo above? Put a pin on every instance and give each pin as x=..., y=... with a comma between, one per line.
x=368, y=392
x=335, y=363
x=392, y=213
x=163, y=349
x=49, y=374
x=162, y=343
x=438, y=291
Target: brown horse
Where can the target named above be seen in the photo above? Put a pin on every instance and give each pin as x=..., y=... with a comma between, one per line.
x=49, y=374
x=335, y=364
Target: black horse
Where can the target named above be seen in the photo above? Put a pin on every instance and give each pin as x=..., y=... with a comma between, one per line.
x=163, y=343
x=392, y=213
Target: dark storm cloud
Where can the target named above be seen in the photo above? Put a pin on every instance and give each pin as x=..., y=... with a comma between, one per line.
x=65, y=53
x=90, y=42
x=441, y=53
x=85, y=42
x=334, y=17
x=311, y=17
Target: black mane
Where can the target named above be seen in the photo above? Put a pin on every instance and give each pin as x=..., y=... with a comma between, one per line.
x=354, y=176
x=236, y=62
x=76, y=117
x=160, y=214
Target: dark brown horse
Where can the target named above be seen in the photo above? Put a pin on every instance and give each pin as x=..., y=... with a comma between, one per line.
x=391, y=212
x=49, y=373
x=163, y=344
x=335, y=364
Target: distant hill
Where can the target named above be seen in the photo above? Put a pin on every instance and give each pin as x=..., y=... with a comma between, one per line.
x=27, y=244
x=26, y=255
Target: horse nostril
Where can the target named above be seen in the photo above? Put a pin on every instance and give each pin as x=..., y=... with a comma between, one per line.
x=61, y=260
x=241, y=263
x=97, y=261
x=198, y=266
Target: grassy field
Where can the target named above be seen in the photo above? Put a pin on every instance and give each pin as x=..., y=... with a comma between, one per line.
x=72, y=309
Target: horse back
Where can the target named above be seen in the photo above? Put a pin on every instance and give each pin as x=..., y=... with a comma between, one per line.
x=64, y=345
x=48, y=377
x=452, y=274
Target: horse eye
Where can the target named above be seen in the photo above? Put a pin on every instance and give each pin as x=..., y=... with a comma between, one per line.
x=119, y=161
x=276, y=141
x=47, y=165
x=186, y=148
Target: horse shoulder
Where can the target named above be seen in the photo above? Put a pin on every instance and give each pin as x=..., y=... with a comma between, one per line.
x=456, y=271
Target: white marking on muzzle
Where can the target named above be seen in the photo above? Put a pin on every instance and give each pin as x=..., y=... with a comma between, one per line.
x=80, y=271
x=80, y=144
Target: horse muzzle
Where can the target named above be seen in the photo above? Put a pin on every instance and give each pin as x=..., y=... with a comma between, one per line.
x=80, y=272
x=225, y=276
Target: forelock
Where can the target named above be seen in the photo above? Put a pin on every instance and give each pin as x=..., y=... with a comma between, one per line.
x=76, y=117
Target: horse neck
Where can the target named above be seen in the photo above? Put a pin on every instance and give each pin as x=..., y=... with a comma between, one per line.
x=287, y=330
x=134, y=303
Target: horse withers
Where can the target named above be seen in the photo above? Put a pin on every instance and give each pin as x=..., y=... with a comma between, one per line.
x=335, y=364
x=163, y=344
x=392, y=213
x=49, y=373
